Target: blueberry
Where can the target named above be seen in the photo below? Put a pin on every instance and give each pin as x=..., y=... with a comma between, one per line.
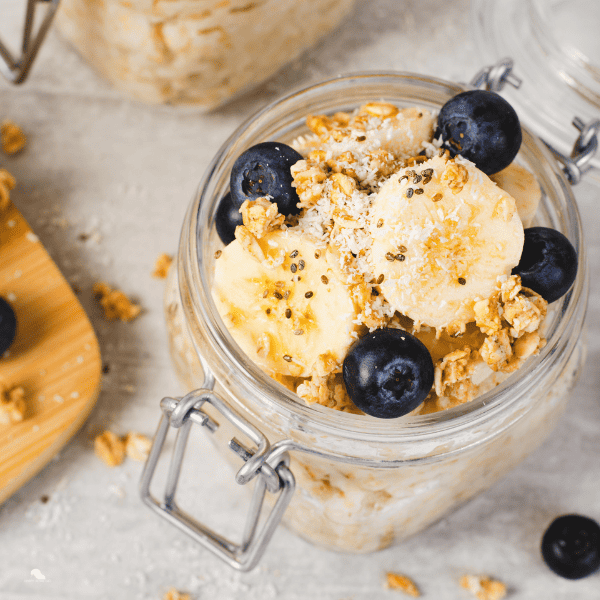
x=482, y=127
x=264, y=170
x=228, y=217
x=571, y=546
x=388, y=373
x=8, y=325
x=548, y=263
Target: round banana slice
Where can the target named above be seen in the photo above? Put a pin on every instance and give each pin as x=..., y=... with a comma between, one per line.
x=286, y=317
x=443, y=234
x=519, y=183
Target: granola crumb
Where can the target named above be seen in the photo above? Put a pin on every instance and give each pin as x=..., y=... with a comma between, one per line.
x=484, y=588
x=110, y=448
x=7, y=183
x=161, y=266
x=13, y=138
x=12, y=405
x=116, y=304
x=395, y=581
x=173, y=594
x=137, y=446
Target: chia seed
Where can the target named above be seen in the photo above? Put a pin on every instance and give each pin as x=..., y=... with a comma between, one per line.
x=293, y=267
x=409, y=193
x=308, y=295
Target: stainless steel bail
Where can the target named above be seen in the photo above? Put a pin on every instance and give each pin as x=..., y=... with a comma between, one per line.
x=270, y=468
x=493, y=78
x=584, y=149
x=17, y=69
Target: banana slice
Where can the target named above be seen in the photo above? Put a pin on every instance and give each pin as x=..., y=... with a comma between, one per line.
x=286, y=317
x=443, y=234
x=523, y=187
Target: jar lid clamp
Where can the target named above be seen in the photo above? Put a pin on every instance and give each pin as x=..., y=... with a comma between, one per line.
x=17, y=69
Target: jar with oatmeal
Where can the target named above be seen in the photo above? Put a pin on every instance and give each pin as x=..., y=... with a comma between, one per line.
x=196, y=53
x=361, y=483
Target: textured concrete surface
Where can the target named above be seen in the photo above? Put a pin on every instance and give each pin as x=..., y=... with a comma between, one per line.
x=99, y=164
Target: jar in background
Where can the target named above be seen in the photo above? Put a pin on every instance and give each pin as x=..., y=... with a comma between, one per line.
x=194, y=52
x=364, y=483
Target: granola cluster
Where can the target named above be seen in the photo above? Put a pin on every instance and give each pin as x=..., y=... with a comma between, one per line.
x=115, y=303
x=112, y=448
x=12, y=405
x=12, y=137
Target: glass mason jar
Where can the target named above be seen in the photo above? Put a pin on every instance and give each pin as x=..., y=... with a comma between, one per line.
x=364, y=483
x=196, y=53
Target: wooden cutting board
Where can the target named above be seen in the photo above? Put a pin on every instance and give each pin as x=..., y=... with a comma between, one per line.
x=55, y=355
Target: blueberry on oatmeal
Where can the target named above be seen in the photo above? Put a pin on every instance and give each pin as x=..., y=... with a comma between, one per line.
x=388, y=373
x=264, y=170
x=548, y=263
x=228, y=217
x=482, y=127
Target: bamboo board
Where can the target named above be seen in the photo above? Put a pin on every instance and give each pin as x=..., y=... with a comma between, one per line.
x=55, y=356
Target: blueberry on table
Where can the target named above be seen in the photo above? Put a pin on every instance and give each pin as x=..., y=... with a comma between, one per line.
x=388, y=373
x=228, y=217
x=264, y=170
x=8, y=325
x=571, y=546
x=482, y=127
x=548, y=263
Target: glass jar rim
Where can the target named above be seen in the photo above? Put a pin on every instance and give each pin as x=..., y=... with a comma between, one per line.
x=223, y=356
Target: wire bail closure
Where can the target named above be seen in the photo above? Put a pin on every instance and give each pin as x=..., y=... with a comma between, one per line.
x=17, y=69
x=268, y=465
x=495, y=77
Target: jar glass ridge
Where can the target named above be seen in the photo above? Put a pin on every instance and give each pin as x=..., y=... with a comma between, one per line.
x=356, y=472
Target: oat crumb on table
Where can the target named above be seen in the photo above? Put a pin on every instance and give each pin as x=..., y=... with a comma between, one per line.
x=161, y=266
x=13, y=138
x=137, y=446
x=173, y=594
x=7, y=183
x=110, y=448
x=116, y=304
x=12, y=405
x=395, y=581
x=484, y=588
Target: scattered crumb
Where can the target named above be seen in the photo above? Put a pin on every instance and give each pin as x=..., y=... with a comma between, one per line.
x=161, y=266
x=44, y=499
x=402, y=583
x=32, y=237
x=137, y=446
x=115, y=303
x=483, y=588
x=12, y=405
x=110, y=448
x=13, y=138
x=173, y=594
x=7, y=183
x=106, y=368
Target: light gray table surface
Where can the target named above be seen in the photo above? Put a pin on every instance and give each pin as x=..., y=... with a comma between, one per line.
x=99, y=163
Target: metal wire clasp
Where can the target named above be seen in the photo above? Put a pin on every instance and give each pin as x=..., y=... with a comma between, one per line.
x=269, y=468
x=17, y=69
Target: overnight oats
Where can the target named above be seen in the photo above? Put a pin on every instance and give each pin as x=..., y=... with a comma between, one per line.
x=387, y=272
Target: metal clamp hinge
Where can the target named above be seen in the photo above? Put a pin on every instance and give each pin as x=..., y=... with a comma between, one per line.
x=268, y=465
x=17, y=69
